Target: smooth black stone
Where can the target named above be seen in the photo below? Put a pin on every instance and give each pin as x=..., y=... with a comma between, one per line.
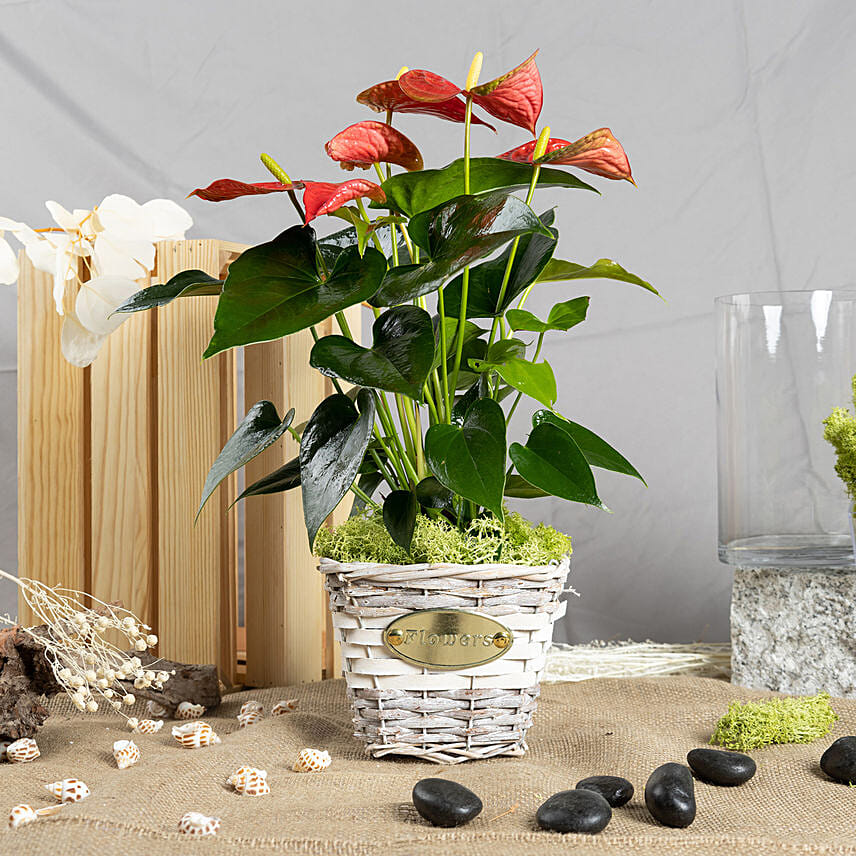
x=615, y=790
x=721, y=768
x=670, y=795
x=574, y=811
x=445, y=803
x=839, y=760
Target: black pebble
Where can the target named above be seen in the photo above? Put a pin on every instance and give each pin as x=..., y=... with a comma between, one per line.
x=839, y=760
x=670, y=795
x=445, y=803
x=574, y=811
x=721, y=768
x=615, y=790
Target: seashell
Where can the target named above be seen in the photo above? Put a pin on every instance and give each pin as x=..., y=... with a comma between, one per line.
x=188, y=710
x=155, y=709
x=126, y=753
x=197, y=824
x=250, y=781
x=251, y=705
x=148, y=726
x=284, y=706
x=312, y=761
x=192, y=735
x=4, y=745
x=22, y=750
x=251, y=717
x=21, y=815
x=68, y=790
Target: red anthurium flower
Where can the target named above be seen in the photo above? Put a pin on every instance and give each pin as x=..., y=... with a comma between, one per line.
x=598, y=152
x=230, y=188
x=369, y=142
x=321, y=197
x=389, y=96
x=515, y=97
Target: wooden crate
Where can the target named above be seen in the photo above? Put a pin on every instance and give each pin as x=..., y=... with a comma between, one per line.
x=111, y=462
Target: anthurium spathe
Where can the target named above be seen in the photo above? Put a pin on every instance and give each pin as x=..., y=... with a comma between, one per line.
x=598, y=153
x=515, y=97
x=365, y=143
x=319, y=197
x=388, y=96
x=422, y=418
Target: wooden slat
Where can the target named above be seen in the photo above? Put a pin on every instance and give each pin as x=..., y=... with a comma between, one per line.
x=52, y=444
x=123, y=447
x=264, y=527
x=196, y=574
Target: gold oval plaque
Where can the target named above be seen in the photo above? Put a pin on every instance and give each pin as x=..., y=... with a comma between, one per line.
x=444, y=639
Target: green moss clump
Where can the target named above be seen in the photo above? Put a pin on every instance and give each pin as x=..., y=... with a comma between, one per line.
x=754, y=725
x=840, y=431
x=364, y=539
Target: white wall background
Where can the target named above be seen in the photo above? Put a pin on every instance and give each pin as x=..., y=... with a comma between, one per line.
x=737, y=116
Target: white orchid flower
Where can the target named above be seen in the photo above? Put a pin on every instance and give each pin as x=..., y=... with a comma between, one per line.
x=116, y=241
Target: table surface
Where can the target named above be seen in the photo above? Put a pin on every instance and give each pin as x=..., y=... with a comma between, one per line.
x=362, y=806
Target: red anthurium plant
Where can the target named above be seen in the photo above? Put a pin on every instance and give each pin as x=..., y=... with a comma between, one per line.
x=446, y=259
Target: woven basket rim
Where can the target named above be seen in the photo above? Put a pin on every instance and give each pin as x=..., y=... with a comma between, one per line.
x=327, y=566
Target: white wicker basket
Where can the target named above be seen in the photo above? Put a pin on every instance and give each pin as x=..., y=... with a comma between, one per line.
x=443, y=716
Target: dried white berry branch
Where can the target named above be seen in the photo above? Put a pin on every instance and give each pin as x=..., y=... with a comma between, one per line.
x=83, y=660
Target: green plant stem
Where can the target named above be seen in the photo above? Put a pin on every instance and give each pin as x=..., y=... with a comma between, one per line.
x=365, y=215
x=393, y=235
x=396, y=464
x=392, y=481
x=441, y=310
x=429, y=400
x=315, y=338
x=416, y=428
x=402, y=460
x=404, y=422
x=520, y=394
x=536, y=169
x=465, y=277
x=358, y=491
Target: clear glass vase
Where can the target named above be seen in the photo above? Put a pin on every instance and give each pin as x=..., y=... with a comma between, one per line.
x=784, y=361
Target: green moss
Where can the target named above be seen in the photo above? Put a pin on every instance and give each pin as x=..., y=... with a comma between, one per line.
x=364, y=539
x=840, y=431
x=781, y=720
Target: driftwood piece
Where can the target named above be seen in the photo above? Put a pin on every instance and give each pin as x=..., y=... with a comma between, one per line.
x=26, y=679
x=197, y=684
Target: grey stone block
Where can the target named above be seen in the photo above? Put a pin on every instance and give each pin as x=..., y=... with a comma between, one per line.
x=793, y=630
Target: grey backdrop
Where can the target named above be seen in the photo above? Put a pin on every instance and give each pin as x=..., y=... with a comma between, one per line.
x=737, y=117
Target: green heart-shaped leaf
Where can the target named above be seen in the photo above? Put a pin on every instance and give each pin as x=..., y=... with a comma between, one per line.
x=562, y=316
x=275, y=289
x=552, y=461
x=557, y=270
x=280, y=480
x=399, y=360
x=400, y=510
x=431, y=494
x=532, y=255
x=331, y=449
x=517, y=487
x=454, y=235
x=258, y=429
x=188, y=283
x=596, y=450
x=414, y=192
x=470, y=459
x=533, y=379
x=332, y=246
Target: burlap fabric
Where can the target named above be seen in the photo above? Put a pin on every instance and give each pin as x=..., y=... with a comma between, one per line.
x=362, y=806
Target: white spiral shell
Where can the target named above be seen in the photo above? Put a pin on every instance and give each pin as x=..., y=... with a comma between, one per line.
x=22, y=750
x=188, y=710
x=21, y=815
x=69, y=790
x=250, y=781
x=251, y=717
x=126, y=753
x=155, y=709
x=251, y=705
x=193, y=735
x=312, y=761
x=196, y=824
x=284, y=706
